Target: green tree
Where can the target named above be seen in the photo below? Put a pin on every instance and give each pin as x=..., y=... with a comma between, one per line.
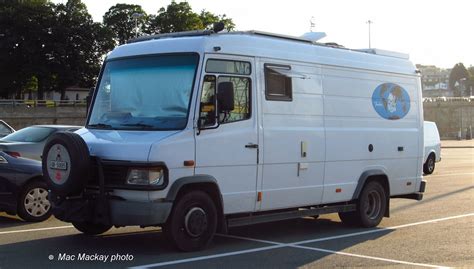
x=179, y=17
x=457, y=77
x=208, y=19
x=120, y=19
x=80, y=45
x=25, y=45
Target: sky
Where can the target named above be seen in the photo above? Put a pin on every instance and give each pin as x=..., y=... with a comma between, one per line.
x=436, y=32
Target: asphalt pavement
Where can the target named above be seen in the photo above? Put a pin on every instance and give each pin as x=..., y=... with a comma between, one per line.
x=435, y=232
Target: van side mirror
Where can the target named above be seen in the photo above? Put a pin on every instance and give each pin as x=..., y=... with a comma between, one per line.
x=225, y=96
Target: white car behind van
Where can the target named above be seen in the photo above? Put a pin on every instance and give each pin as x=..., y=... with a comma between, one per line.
x=432, y=153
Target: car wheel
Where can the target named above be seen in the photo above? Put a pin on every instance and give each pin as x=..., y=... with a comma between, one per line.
x=90, y=228
x=33, y=203
x=429, y=166
x=193, y=221
x=371, y=207
x=66, y=163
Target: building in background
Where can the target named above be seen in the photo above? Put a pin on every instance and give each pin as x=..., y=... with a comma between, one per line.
x=434, y=81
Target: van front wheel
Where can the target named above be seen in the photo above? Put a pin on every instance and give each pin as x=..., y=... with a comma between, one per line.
x=193, y=221
x=371, y=207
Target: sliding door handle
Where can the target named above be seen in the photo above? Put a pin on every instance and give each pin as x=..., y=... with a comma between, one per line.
x=251, y=146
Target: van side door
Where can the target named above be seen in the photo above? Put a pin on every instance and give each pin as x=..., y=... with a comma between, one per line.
x=293, y=133
x=227, y=141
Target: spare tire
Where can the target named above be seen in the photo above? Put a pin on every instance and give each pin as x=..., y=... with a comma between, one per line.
x=66, y=163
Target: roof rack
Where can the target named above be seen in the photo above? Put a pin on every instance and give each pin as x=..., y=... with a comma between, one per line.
x=385, y=53
x=171, y=35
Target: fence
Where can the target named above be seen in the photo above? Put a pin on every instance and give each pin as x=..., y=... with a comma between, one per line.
x=453, y=115
x=23, y=113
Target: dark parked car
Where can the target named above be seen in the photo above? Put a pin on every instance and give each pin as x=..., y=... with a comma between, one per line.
x=22, y=189
x=29, y=142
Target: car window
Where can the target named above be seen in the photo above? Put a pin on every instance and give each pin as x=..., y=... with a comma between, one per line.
x=4, y=129
x=30, y=134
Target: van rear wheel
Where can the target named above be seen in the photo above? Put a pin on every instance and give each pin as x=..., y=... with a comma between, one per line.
x=371, y=207
x=193, y=222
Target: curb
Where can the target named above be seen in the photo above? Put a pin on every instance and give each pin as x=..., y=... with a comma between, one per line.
x=457, y=147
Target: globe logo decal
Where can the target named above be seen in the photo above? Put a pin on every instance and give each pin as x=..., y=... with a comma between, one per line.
x=391, y=101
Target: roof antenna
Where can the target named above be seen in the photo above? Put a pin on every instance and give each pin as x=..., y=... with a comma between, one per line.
x=218, y=26
x=312, y=24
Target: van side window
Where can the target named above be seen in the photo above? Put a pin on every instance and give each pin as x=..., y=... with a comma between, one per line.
x=278, y=86
x=242, y=97
x=228, y=67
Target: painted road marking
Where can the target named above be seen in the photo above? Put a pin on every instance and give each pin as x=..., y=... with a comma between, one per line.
x=444, y=175
x=377, y=230
x=294, y=245
x=37, y=230
x=276, y=245
x=369, y=257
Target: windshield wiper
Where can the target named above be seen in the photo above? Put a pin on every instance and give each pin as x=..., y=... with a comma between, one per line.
x=100, y=126
x=142, y=125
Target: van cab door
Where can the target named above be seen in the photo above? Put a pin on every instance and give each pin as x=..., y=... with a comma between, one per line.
x=227, y=141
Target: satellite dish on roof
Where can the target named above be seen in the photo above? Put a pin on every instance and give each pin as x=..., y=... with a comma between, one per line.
x=313, y=36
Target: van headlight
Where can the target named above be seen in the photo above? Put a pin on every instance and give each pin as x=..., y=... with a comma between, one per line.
x=146, y=176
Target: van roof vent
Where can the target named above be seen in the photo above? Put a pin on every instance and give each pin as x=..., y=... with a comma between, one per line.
x=385, y=53
x=313, y=36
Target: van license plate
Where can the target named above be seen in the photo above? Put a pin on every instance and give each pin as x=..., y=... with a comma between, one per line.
x=58, y=165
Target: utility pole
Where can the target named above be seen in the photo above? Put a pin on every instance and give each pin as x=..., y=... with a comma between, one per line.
x=136, y=16
x=369, y=22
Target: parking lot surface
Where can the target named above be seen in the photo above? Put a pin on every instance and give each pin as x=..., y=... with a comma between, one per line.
x=435, y=232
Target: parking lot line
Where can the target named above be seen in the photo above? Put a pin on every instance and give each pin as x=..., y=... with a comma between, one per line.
x=298, y=243
x=443, y=175
x=37, y=230
x=226, y=254
x=368, y=257
x=377, y=230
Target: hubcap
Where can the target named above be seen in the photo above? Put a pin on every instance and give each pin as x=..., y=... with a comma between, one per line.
x=195, y=222
x=373, y=205
x=431, y=164
x=36, y=202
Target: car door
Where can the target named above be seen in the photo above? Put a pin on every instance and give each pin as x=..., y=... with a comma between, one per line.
x=228, y=149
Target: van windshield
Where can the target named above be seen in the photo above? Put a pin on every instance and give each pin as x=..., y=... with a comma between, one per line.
x=150, y=92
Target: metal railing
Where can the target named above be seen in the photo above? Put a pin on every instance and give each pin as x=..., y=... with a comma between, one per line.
x=41, y=103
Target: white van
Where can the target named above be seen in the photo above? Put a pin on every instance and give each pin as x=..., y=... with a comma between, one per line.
x=432, y=147
x=200, y=131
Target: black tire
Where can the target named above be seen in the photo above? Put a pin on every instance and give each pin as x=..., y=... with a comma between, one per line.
x=192, y=222
x=429, y=166
x=371, y=207
x=33, y=202
x=89, y=228
x=71, y=150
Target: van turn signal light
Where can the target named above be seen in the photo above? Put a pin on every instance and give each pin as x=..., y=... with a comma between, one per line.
x=189, y=163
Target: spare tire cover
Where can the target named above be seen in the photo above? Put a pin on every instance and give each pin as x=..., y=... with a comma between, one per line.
x=66, y=163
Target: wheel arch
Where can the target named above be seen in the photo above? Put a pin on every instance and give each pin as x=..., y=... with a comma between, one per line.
x=205, y=183
x=378, y=176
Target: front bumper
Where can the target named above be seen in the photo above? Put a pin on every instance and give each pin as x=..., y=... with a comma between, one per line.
x=111, y=210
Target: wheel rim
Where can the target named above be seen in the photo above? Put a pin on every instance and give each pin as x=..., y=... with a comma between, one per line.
x=195, y=222
x=373, y=205
x=431, y=164
x=36, y=202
